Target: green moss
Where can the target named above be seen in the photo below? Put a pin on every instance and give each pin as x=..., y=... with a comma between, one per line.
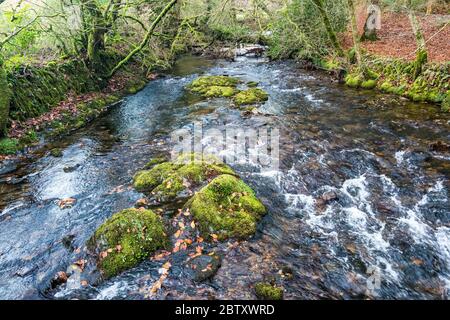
x=214, y=86
x=252, y=84
x=29, y=138
x=127, y=238
x=168, y=180
x=5, y=95
x=353, y=81
x=386, y=87
x=251, y=96
x=9, y=146
x=145, y=181
x=329, y=64
x=266, y=291
x=351, y=55
x=154, y=162
x=421, y=59
x=218, y=91
x=226, y=207
x=369, y=84
x=56, y=152
x=446, y=102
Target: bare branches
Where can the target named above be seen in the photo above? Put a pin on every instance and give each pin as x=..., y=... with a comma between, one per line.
x=18, y=30
x=147, y=37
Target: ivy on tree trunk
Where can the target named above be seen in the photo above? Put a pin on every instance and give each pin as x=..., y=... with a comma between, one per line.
x=421, y=53
x=329, y=28
x=146, y=39
x=5, y=95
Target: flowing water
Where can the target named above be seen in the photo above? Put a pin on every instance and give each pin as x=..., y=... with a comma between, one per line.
x=359, y=207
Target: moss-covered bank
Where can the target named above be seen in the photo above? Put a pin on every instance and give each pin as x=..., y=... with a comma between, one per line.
x=126, y=239
x=36, y=89
x=397, y=77
x=58, y=105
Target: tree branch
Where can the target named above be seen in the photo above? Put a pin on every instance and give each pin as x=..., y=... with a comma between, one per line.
x=147, y=37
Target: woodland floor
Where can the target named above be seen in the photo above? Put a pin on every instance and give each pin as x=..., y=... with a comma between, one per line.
x=396, y=38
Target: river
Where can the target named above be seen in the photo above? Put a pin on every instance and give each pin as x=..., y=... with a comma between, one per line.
x=358, y=208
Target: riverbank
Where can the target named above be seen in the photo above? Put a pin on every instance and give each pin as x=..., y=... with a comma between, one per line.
x=61, y=113
x=395, y=76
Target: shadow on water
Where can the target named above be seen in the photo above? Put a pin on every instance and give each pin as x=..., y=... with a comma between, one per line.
x=360, y=196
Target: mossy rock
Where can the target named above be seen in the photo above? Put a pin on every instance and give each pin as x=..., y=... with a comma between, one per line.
x=369, y=84
x=218, y=91
x=170, y=180
x=353, y=81
x=126, y=239
x=252, y=84
x=153, y=162
x=214, y=86
x=9, y=146
x=266, y=291
x=251, y=96
x=226, y=207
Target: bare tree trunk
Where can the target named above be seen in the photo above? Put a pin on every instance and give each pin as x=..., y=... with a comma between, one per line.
x=147, y=37
x=326, y=21
x=421, y=52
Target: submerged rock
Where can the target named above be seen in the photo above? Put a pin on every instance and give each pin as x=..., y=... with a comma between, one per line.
x=170, y=180
x=60, y=278
x=69, y=169
x=251, y=96
x=440, y=146
x=56, y=152
x=266, y=291
x=204, y=267
x=226, y=207
x=126, y=239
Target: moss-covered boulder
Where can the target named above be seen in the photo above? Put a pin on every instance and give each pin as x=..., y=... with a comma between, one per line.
x=266, y=291
x=226, y=207
x=170, y=180
x=214, y=86
x=126, y=239
x=353, y=81
x=251, y=96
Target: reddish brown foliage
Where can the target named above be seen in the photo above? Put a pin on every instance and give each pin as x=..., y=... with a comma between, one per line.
x=396, y=38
